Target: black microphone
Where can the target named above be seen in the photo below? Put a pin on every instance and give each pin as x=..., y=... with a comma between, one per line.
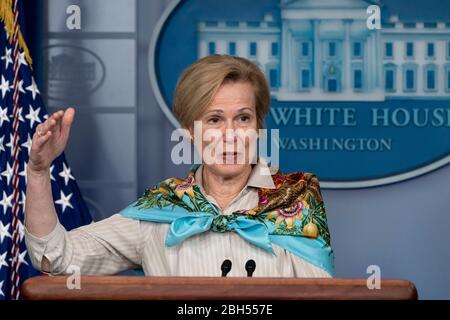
x=250, y=266
x=226, y=267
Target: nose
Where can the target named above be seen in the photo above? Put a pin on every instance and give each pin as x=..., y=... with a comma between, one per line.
x=229, y=132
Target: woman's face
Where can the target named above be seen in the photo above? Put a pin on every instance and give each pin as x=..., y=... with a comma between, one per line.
x=229, y=129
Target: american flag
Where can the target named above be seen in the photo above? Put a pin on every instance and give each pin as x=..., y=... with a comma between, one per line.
x=21, y=110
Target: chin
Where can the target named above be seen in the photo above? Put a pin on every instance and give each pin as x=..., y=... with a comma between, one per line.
x=228, y=170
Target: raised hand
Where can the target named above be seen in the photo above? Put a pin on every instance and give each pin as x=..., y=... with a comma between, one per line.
x=49, y=140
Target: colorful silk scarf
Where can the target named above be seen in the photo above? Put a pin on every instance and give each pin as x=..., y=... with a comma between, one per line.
x=291, y=216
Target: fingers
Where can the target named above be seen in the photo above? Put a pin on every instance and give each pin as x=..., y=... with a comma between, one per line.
x=51, y=124
x=51, y=130
x=45, y=129
x=59, y=122
x=40, y=139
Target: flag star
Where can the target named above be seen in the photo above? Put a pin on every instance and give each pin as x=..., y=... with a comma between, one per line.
x=20, y=115
x=3, y=115
x=33, y=116
x=21, y=230
x=1, y=286
x=3, y=260
x=23, y=202
x=6, y=202
x=10, y=143
x=33, y=88
x=23, y=173
x=8, y=173
x=2, y=147
x=51, y=175
x=64, y=201
x=4, y=86
x=45, y=116
x=22, y=257
x=22, y=59
x=4, y=232
x=27, y=144
x=7, y=58
x=20, y=86
x=65, y=173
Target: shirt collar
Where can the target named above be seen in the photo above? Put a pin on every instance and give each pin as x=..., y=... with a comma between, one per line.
x=260, y=177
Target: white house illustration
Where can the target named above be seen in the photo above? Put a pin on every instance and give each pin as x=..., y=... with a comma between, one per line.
x=323, y=50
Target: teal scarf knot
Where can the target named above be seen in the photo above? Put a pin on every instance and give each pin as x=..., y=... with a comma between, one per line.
x=184, y=225
x=298, y=226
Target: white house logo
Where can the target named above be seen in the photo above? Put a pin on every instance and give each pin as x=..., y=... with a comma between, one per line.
x=358, y=107
x=71, y=70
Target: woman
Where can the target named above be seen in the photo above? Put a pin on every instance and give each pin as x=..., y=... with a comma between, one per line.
x=222, y=210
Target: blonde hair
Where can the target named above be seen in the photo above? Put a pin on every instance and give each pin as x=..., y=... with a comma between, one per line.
x=199, y=83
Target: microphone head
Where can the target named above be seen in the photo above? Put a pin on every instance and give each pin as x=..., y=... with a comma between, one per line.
x=226, y=267
x=250, y=266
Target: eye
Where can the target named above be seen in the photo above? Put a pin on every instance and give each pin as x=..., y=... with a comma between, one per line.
x=213, y=120
x=244, y=118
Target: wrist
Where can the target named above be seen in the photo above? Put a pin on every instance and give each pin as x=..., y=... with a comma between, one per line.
x=38, y=173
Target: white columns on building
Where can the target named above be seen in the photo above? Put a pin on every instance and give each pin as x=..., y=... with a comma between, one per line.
x=284, y=57
x=317, y=57
x=291, y=65
x=366, y=52
x=373, y=61
x=378, y=60
x=368, y=61
x=347, y=68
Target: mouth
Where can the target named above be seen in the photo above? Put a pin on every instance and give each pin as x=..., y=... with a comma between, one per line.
x=230, y=156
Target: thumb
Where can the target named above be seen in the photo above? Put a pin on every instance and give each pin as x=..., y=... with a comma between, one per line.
x=66, y=124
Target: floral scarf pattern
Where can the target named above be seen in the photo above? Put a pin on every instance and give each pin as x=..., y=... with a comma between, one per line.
x=294, y=209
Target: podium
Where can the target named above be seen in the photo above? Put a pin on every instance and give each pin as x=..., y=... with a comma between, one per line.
x=214, y=288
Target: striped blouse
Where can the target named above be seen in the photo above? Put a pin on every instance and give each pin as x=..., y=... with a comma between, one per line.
x=117, y=244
